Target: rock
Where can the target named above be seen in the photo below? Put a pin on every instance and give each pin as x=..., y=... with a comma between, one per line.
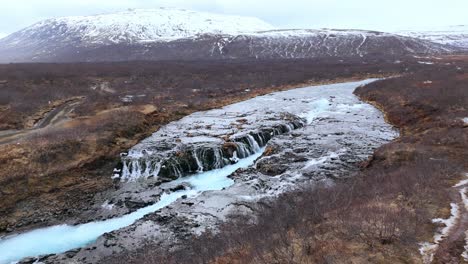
x=110, y=243
x=271, y=166
x=71, y=253
x=136, y=204
x=180, y=187
x=44, y=257
x=28, y=261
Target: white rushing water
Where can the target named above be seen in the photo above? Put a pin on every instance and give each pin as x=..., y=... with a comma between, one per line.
x=317, y=106
x=57, y=239
x=207, y=128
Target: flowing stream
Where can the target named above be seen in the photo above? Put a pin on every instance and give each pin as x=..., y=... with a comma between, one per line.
x=57, y=239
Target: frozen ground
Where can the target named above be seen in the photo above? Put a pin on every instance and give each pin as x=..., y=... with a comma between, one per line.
x=450, y=225
x=428, y=249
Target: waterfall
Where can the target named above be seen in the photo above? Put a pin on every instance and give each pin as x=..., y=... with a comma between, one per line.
x=253, y=144
x=234, y=158
x=136, y=169
x=242, y=150
x=198, y=158
x=218, y=162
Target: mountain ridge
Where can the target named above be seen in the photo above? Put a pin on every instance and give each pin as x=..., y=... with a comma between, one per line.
x=452, y=35
x=175, y=34
x=140, y=25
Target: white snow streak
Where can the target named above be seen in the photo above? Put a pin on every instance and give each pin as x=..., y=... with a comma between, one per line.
x=465, y=202
x=461, y=183
x=108, y=206
x=465, y=253
x=453, y=35
x=425, y=62
x=427, y=250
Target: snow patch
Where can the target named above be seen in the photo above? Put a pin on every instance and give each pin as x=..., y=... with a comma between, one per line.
x=465, y=202
x=453, y=35
x=427, y=250
x=425, y=62
x=461, y=183
x=465, y=253
x=108, y=206
x=464, y=197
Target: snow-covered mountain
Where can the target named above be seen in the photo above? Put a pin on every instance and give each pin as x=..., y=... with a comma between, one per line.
x=136, y=26
x=454, y=35
x=158, y=34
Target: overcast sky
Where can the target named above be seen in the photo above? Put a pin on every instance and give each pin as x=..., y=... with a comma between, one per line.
x=385, y=15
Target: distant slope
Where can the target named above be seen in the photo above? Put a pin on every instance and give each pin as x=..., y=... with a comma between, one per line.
x=166, y=34
x=455, y=35
x=263, y=45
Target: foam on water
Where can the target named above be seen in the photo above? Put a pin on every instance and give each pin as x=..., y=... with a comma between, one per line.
x=58, y=239
x=318, y=107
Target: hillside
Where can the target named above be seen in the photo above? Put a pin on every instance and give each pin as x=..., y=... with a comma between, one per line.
x=456, y=36
x=172, y=34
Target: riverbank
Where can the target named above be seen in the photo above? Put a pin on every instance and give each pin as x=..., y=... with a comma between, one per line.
x=56, y=174
x=381, y=215
x=343, y=133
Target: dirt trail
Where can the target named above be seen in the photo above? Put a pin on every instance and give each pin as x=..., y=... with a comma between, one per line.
x=53, y=117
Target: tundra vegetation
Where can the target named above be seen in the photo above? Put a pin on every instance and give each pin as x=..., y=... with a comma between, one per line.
x=51, y=172
x=382, y=214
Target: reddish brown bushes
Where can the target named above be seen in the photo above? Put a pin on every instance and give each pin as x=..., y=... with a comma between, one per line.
x=320, y=224
x=31, y=87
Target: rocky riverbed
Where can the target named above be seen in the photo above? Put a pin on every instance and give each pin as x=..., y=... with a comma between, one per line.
x=312, y=134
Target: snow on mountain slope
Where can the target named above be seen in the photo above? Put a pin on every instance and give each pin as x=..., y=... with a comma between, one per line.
x=138, y=25
x=303, y=43
x=456, y=36
x=171, y=34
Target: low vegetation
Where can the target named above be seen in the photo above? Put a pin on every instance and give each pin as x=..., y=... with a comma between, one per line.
x=51, y=174
x=382, y=214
